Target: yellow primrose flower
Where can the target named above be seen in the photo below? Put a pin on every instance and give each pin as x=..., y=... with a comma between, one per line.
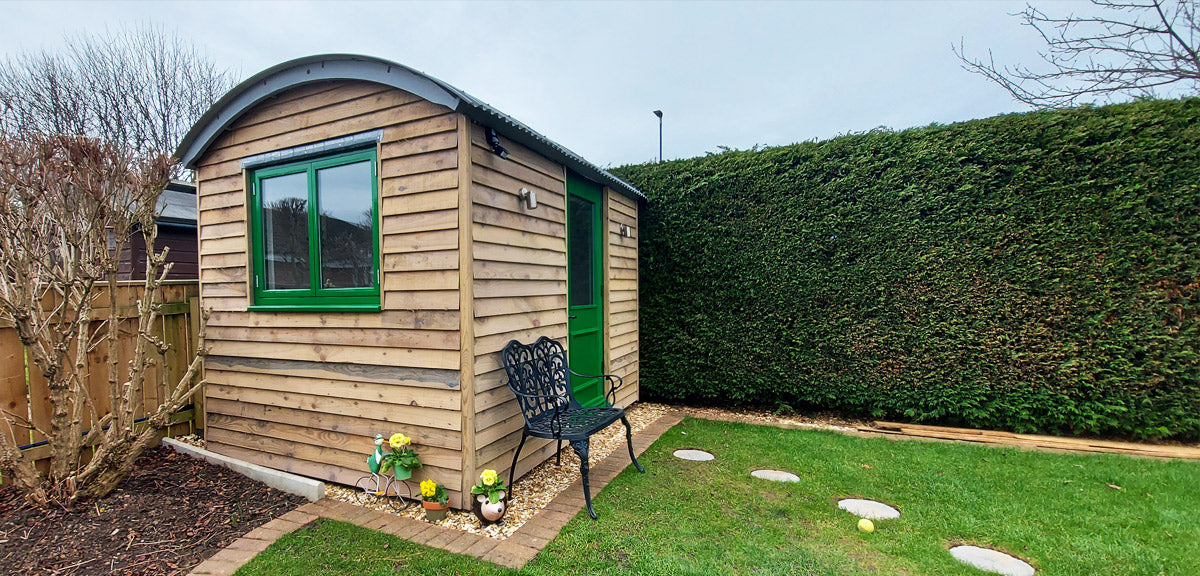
x=399, y=441
x=428, y=488
x=489, y=477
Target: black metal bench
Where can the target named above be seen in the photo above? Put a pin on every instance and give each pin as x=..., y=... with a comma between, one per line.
x=539, y=376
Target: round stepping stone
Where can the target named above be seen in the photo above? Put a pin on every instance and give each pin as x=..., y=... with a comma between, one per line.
x=694, y=455
x=868, y=509
x=992, y=561
x=775, y=475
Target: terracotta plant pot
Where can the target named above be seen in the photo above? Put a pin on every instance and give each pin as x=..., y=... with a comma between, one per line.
x=434, y=512
x=487, y=511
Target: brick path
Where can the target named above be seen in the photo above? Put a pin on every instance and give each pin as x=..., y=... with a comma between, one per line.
x=513, y=552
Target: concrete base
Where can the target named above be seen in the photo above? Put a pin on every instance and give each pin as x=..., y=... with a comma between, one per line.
x=307, y=487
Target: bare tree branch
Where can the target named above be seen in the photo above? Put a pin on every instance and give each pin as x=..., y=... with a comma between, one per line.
x=1144, y=46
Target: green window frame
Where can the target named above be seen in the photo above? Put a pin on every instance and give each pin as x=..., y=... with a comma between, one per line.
x=315, y=297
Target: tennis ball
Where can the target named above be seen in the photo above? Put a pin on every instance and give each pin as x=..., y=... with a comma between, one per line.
x=866, y=525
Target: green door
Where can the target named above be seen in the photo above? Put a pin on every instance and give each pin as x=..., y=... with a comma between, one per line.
x=585, y=306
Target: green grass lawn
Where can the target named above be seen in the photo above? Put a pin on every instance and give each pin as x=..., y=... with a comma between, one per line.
x=1056, y=511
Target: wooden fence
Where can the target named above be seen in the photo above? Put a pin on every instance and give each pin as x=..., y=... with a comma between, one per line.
x=23, y=390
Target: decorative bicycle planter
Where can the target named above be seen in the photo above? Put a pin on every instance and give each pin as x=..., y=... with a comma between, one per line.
x=393, y=486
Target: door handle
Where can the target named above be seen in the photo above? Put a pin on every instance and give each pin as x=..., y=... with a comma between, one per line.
x=572, y=317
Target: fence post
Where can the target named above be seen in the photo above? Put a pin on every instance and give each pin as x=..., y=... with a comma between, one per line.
x=198, y=397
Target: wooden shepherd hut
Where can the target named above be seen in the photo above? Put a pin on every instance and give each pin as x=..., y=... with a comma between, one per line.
x=370, y=238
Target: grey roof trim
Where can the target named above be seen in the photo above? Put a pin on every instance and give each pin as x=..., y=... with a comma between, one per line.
x=354, y=67
x=315, y=149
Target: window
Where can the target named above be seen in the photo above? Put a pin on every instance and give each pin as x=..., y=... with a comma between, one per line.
x=314, y=234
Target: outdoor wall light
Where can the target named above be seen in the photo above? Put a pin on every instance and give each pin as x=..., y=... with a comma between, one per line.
x=626, y=230
x=493, y=140
x=529, y=197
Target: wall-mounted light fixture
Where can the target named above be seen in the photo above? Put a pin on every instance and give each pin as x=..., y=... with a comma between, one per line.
x=493, y=140
x=529, y=197
x=626, y=230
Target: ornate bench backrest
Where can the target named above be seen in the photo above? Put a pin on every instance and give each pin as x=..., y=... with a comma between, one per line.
x=538, y=374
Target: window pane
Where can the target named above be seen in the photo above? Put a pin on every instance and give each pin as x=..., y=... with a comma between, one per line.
x=581, y=259
x=285, y=231
x=344, y=195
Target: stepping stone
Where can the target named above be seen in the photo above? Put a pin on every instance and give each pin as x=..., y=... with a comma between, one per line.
x=991, y=561
x=694, y=455
x=868, y=509
x=775, y=475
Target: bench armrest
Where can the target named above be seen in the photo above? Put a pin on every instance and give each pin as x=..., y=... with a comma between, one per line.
x=613, y=380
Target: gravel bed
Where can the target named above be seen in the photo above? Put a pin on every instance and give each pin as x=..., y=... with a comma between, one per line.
x=534, y=490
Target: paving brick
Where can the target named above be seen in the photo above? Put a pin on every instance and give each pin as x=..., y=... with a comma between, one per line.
x=403, y=528
x=265, y=533
x=443, y=538
x=462, y=543
x=522, y=552
x=429, y=533
x=481, y=547
x=556, y=516
x=299, y=517
x=216, y=567
x=545, y=530
x=285, y=526
x=234, y=556
x=505, y=557
x=527, y=539
x=249, y=544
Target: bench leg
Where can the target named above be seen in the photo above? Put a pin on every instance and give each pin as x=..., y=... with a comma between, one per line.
x=558, y=455
x=629, y=440
x=581, y=449
x=513, y=469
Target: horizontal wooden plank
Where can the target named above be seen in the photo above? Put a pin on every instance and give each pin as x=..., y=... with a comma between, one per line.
x=423, y=222
x=486, y=307
x=421, y=300
x=420, y=144
x=488, y=252
x=418, y=202
x=335, y=447
x=484, y=270
x=422, y=182
x=522, y=155
x=325, y=471
x=305, y=100
x=399, y=357
x=523, y=222
x=394, y=319
x=392, y=413
x=420, y=242
x=519, y=321
x=551, y=207
x=393, y=167
x=226, y=230
x=510, y=237
x=363, y=425
x=397, y=376
x=418, y=127
x=421, y=280
x=231, y=260
x=419, y=261
x=500, y=288
x=364, y=337
x=485, y=159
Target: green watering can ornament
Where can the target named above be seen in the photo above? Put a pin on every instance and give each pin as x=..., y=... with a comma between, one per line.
x=375, y=460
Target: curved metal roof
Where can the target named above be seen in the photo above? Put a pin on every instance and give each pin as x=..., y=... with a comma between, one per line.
x=354, y=67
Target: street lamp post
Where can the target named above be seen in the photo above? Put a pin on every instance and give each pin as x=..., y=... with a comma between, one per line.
x=659, y=114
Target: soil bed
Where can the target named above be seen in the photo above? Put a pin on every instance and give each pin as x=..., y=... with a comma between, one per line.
x=170, y=515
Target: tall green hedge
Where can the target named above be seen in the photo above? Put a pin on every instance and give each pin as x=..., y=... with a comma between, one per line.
x=1031, y=272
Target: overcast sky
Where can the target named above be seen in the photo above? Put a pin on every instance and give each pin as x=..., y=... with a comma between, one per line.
x=589, y=75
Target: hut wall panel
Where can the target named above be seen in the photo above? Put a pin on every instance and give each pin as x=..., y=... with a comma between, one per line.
x=307, y=392
x=519, y=273
x=622, y=295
